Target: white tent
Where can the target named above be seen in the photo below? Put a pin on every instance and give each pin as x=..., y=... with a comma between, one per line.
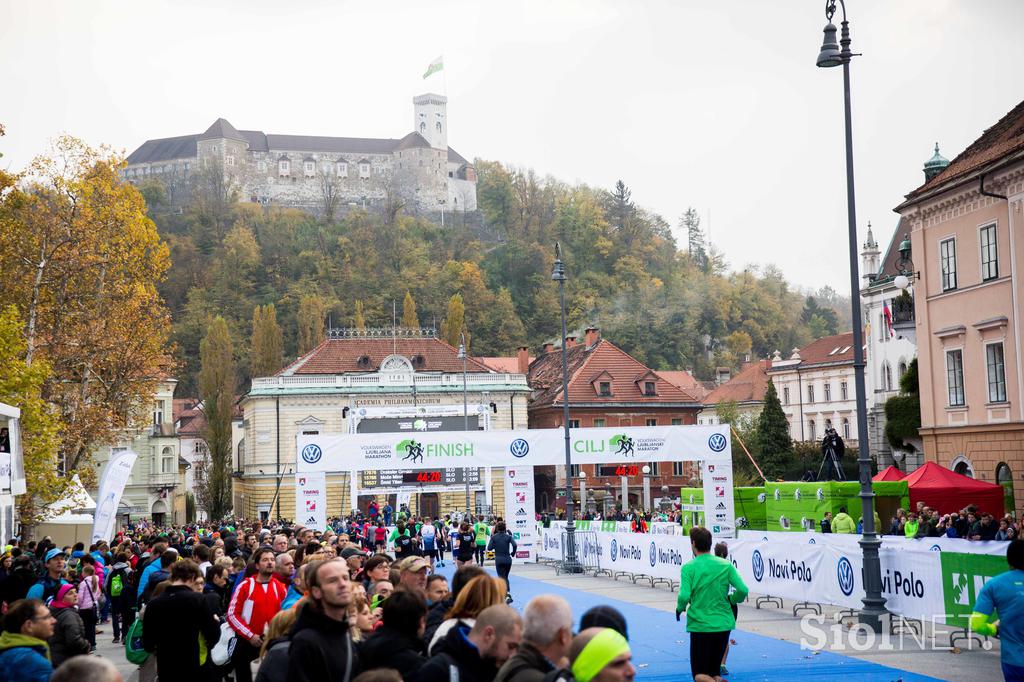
x=70, y=519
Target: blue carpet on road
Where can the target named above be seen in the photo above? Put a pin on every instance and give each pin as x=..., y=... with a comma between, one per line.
x=661, y=646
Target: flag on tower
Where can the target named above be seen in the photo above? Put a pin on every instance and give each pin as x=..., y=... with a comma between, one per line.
x=888, y=320
x=435, y=66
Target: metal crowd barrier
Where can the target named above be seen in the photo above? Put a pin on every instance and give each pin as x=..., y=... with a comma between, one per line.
x=588, y=553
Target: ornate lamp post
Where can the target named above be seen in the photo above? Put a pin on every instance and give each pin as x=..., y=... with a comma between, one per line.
x=572, y=564
x=833, y=54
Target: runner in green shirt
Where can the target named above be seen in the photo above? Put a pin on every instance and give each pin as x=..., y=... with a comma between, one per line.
x=482, y=531
x=704, y=588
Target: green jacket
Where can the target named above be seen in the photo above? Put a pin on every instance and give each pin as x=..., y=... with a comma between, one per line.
x=910, y=528
x=843, y=523
x=704, y=587
x=482, y=531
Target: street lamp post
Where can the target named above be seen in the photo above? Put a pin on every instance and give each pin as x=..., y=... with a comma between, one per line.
x=571, y=564
x=833, y=54
x=465, y=406
x=647, y=488
x=583, y=491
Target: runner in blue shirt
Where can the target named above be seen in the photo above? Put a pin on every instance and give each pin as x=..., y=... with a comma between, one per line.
x=1005, y=595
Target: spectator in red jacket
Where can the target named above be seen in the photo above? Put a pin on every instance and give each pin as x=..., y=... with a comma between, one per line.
x=257, y=600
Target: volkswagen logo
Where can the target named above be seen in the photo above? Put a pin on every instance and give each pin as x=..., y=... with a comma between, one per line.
x=935, y=548
x=654, y=554
x=758, y=565
x=811, y=542
x=615, y=549
x=519, y=448
x=311, y=454
x=717, y=442
x=844, y=572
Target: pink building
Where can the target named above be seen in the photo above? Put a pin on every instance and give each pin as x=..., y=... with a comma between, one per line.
x=967, y=237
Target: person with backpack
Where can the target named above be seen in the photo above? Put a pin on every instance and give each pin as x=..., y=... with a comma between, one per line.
x=162, y=573
x=117, y=588
x=180, y=628
x=256, y=600
x=52, y=580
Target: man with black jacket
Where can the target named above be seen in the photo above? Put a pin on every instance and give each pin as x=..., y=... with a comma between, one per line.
x=397, y=643
x=475, y=654
x=321, y=648
x=547, y=634
x=174, y=623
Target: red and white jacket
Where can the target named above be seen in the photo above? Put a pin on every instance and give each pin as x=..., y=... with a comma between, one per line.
x=253, y=605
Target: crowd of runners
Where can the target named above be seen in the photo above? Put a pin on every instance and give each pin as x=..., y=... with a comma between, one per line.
x=356, y=602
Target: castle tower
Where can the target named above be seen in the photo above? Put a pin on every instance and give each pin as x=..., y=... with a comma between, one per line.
x=430, y=119
x=869, y=258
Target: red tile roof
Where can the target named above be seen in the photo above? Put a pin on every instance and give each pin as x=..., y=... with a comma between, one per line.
x=341, y=356
x=1006, y=137
x=588, y=364
x=836, y=349
x=503, y=365
x=749, y=384
x=687, y=382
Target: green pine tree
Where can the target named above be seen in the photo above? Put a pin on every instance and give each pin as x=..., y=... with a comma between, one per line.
x=773, y=436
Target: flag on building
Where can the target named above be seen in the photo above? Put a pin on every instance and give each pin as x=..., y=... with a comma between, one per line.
x=435, y=66
x=888, y=319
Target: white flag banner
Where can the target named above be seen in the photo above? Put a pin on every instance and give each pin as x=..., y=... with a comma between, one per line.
x=112, y=482
x=519, y=511
x=311, y=499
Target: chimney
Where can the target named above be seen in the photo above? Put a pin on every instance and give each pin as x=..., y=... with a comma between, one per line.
x=570, y=341
x=523, y=358
x=592, y=336
x=548, y=347
x=722, y=375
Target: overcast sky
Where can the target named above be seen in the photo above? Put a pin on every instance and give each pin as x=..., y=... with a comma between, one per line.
x=712, y=104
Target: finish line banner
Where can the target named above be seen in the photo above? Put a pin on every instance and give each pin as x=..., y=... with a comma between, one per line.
x=537, y=447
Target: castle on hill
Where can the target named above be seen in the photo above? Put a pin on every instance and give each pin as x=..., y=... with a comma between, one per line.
x=319, y=174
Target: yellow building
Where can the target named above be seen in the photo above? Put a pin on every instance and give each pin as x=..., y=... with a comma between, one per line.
x=373, y=381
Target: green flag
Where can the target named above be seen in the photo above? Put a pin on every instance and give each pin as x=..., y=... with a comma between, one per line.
x=434, y=67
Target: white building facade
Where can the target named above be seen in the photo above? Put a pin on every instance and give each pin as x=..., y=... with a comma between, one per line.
x=816, y=388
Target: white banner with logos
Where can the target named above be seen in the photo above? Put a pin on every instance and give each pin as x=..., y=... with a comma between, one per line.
x=519, y=511
x=659, y=556
x=426, y=450
x=849, y=542
x=666, y=528
x=311, y=499
x=112, y=482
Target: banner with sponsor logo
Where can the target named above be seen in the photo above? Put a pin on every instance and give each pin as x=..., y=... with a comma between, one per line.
x=311, y=499
x=439, y=449
x=850, y=541
x=519, y=511
x=112, y=482
x=659, y=556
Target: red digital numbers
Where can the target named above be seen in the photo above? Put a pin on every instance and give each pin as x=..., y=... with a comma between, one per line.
x=428, y=477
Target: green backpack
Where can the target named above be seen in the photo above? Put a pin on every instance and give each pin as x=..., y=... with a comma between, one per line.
x=116, y=585
x=133, y=649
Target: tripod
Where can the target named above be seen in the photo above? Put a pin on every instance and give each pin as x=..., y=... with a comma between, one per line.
x=832, y=450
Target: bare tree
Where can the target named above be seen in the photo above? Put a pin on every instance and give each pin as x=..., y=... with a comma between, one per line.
x=330, y=194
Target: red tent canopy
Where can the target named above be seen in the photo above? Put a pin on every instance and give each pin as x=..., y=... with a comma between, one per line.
x=948, y=491
x=889, y=473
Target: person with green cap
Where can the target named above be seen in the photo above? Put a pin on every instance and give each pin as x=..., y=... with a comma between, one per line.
x=704, y=590
x=601, y=655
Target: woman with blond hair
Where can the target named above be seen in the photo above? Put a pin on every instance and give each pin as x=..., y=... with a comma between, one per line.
x=479, y=593
x=363, y=621
x=273, y=661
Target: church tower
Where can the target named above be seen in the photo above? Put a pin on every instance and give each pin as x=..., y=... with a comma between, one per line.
x=869, y=259
x=430, y=119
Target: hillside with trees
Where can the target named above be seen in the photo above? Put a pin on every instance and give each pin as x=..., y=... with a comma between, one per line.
x=488, y=274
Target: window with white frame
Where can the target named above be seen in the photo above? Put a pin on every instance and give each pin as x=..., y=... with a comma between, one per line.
x=812, y=431
x=996, y=373
x=785, y=395
x=810, y=393
x=902, y=370
x=844, y=391
x=947, y=263
x=284, y=168
x=261, y=166
x=886, y=377
x=342, y=169
x=574, y=470
x=309, y=168
x=955, y=377
x=599, y=423
x=828, y=424
x=574, y=423
x=846, y=428
x=364, y=170
x=229, y=161
x=676, y=421
x=989, y=253
x=677, y=469
x=652, y=421
x=167, y=461
x=654, y=468
x=828, y=392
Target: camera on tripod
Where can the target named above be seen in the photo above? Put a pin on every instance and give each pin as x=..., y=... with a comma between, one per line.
x=832, y=451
